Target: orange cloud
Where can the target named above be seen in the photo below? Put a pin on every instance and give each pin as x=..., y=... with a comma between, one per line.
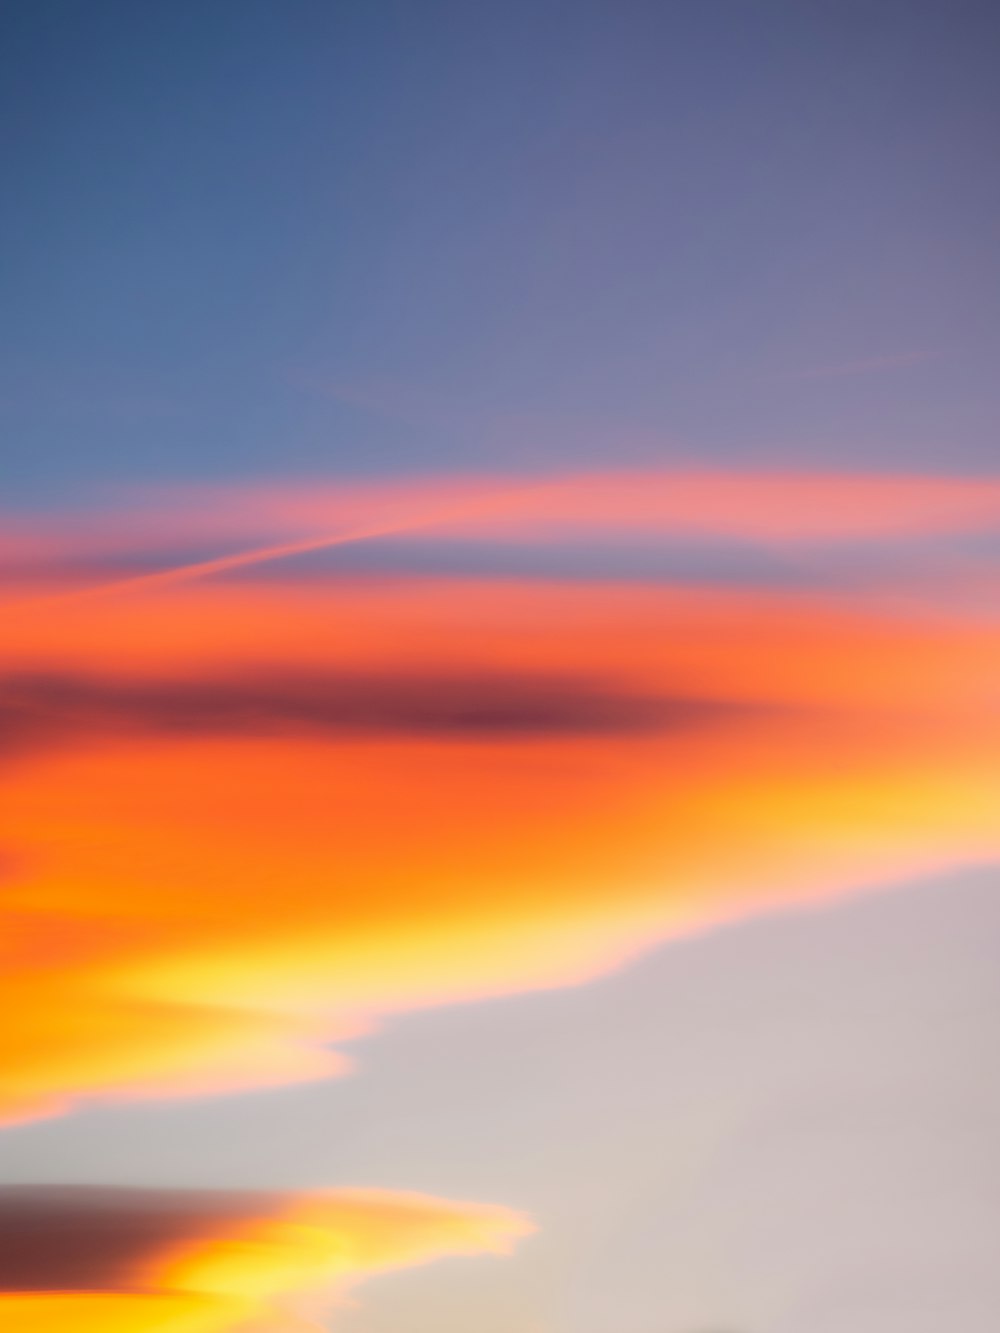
x=183, y=1262
x=239, y=824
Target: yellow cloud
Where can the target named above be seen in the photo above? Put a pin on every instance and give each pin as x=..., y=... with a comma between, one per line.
x=245, y=1271
x=241, y=823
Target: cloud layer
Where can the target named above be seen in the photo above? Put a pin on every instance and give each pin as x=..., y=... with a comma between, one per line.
x=242, y=822
x=243, y=525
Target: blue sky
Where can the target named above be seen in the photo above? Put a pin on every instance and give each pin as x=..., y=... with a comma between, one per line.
x=318, y=238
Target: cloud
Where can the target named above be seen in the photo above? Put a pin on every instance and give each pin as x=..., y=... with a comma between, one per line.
x=51, y=709
x=81, y=1239
x=187, y=1260
x=279, y=813
x=273, y=522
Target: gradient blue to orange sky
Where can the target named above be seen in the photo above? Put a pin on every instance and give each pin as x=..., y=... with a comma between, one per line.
x=499, y=643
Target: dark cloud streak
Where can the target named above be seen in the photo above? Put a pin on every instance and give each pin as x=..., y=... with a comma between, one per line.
x=83, y=1239
x=43, y=709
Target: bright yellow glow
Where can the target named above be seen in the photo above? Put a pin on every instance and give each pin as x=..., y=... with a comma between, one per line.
x=90, y=1312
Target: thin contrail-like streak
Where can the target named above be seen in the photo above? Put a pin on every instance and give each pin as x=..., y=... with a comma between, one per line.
x=164, y=578
x=241, y=559
x=259, y=555
x=176, y=574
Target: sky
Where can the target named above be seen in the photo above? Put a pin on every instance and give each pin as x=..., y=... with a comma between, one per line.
x=499, y=735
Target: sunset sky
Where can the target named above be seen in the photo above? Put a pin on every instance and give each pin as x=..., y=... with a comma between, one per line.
x=499, y=658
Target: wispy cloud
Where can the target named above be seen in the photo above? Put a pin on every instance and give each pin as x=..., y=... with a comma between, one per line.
x=268, y=523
